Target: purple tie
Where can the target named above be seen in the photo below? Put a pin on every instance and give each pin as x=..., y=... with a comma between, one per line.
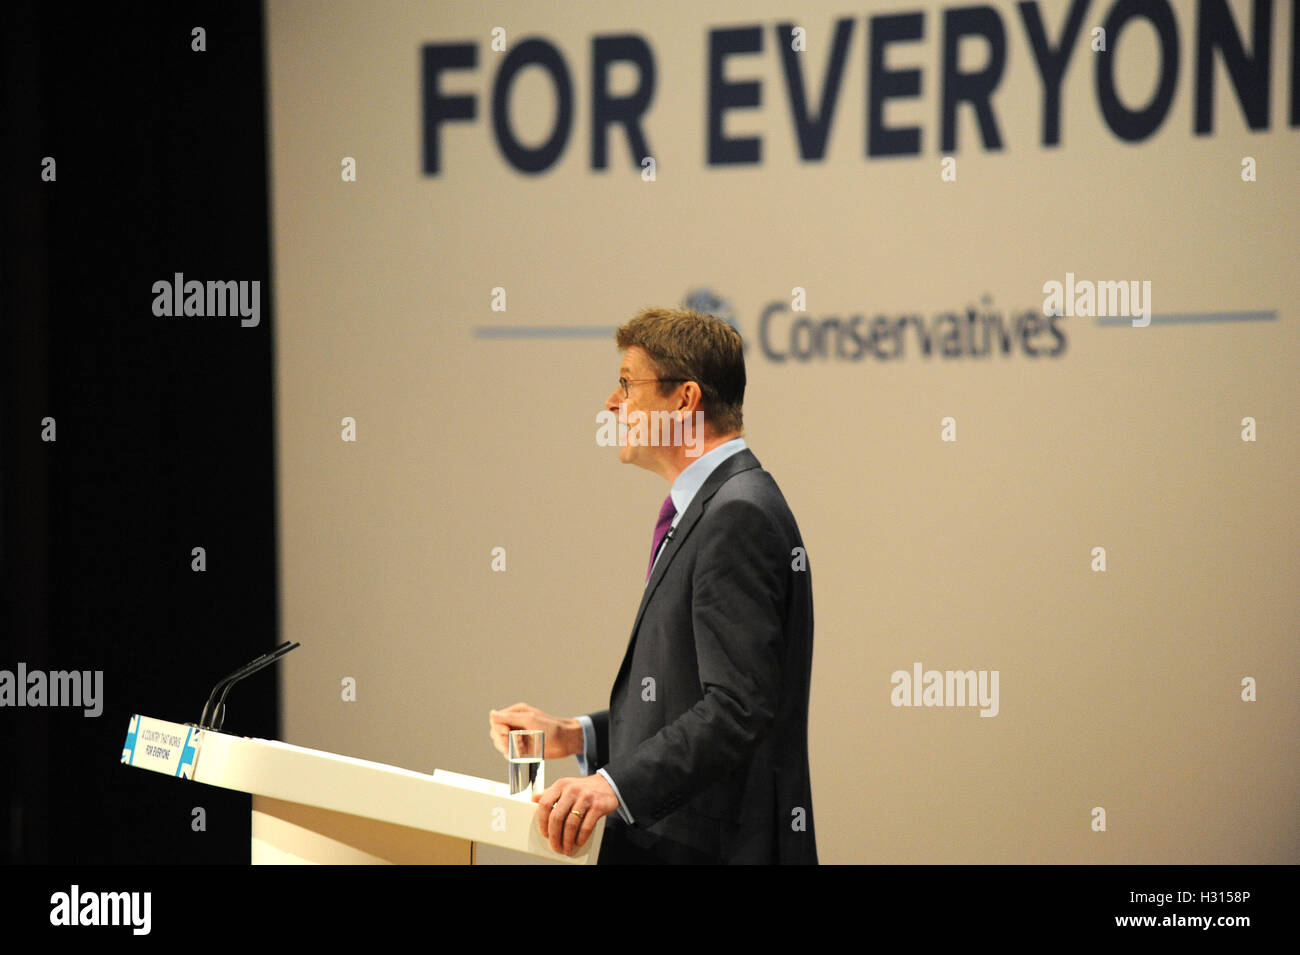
x=666, y=515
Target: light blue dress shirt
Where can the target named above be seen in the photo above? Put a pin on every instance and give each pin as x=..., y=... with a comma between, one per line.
x=682, y=492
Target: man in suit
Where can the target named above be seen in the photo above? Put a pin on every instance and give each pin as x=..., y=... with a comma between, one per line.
x=702, y=756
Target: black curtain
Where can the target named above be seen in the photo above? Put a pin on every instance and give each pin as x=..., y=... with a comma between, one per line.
x=163, y=426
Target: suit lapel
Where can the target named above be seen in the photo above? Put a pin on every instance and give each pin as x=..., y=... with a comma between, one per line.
x=738, y=462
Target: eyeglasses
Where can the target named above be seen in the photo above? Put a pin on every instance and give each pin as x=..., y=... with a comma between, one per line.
x=624, y=382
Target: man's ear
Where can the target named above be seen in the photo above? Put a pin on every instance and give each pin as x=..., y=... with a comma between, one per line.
x=699, y=397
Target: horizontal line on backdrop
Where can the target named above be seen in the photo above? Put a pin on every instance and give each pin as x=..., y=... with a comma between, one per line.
x=1176, y=318
x=544, y=331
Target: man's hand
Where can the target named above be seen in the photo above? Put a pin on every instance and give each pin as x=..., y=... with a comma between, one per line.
x=563, y=736
x=570, y=809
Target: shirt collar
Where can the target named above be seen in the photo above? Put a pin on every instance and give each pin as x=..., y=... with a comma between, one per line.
x=694, y=475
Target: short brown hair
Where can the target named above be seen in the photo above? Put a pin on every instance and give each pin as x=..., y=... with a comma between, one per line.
x=694, y=347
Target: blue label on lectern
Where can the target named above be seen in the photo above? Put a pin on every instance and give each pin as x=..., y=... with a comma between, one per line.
x=161, y=746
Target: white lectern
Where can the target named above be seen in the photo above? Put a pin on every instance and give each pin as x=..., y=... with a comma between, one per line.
x=310, y=806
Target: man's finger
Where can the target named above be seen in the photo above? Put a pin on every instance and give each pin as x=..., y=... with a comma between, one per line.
x=557, y=825
x=572, y=823
x=588, y=825
x=545, y=803
x=504, y=723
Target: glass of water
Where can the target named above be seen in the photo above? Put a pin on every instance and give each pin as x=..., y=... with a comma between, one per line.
x=527, y=770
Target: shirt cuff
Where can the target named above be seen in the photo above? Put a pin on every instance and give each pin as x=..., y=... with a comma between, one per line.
x=589, y=753
x=622, y=808
x=588, y=745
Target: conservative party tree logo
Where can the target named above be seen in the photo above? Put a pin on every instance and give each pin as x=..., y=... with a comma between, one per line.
x=707, y=302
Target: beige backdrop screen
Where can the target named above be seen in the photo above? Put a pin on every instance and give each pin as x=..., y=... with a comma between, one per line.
x=1096, y=504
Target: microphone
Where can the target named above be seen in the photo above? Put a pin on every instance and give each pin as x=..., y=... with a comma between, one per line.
x=226, y=682
x=219, y=714
x=203, y=720
x=663, y=545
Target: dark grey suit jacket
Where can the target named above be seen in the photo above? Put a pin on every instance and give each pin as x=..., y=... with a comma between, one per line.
x=706, y=734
